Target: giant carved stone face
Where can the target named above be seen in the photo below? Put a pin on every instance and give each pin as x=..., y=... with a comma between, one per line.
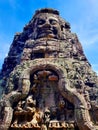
x=47, y=26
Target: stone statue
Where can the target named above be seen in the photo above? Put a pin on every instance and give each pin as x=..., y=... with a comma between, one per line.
x=47, y=26
x=48, y=82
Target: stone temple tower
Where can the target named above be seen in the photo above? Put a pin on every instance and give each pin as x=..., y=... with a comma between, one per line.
x=47, y=80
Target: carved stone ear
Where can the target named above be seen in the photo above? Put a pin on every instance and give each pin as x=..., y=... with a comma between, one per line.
x=67, y=25
x=62, y=26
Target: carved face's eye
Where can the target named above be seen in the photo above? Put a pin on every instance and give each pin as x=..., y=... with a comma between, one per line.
x=52, y=21
x=41, y=21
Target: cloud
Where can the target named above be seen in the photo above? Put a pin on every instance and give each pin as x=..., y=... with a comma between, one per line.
x=13, y=4
x=4, y=47
x=88, y=40
x=86, y=24
x=95, y=68
x=16, y=5
x=4, y=50
x=87, y=29
x=3, y=54
x=94, y=3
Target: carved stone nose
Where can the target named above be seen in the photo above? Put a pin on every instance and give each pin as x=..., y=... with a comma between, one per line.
x=47, y=24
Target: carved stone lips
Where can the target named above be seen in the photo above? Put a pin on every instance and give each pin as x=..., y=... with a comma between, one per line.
x=46, y=30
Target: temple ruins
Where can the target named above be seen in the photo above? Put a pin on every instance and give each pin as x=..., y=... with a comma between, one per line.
x=47, y=81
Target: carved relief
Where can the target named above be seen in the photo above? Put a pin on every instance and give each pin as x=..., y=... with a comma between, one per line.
x=50, y=84
x=45, y=107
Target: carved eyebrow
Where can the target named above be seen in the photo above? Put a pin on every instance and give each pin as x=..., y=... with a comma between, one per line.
x=41, y=21
x=53, y=21
x=53, y=18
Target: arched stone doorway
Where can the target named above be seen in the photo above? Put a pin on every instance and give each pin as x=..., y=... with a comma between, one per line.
x=54, y=111
x=49, y=79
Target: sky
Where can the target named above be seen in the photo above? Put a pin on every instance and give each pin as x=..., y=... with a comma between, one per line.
x=82, y=16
